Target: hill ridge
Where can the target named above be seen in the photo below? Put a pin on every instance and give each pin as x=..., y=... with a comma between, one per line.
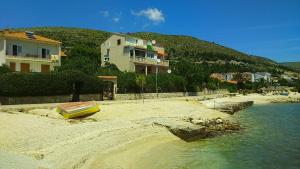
x=177, y=46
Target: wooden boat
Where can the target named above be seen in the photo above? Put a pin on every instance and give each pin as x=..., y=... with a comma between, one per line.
x=77, y=109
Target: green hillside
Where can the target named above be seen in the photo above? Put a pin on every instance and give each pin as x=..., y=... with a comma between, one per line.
x=71, y=36
x=198, y=50
x=177, y=46
x=294, y=65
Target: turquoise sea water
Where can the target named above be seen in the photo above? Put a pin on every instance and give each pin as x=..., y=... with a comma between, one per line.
x=270, y=140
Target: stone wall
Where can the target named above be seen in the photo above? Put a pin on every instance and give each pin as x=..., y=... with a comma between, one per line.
x=97, y=97
x=45, y=99
x=136, y=96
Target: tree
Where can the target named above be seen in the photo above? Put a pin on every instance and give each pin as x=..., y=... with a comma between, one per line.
x=141, y=81
x=193, y=74
x=82, y=58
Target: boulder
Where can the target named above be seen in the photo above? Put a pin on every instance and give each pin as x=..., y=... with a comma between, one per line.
x=219, y=121
x=198, y=122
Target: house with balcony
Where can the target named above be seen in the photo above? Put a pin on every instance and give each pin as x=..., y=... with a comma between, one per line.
x=27, y=52
x=133, y=54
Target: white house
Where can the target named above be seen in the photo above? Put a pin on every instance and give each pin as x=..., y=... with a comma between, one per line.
x=27, y=52
x=133, y=54
x=228, y=76
x=262, y=75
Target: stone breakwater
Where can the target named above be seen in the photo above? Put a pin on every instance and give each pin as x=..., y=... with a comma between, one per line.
x=286, y=100
x=190, y=129
x=232, y=107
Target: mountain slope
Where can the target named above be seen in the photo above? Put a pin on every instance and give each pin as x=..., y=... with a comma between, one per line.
x=177, y=46
x=294, y=65
x=71, y=36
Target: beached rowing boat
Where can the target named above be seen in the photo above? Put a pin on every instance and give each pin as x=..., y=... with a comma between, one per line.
x=77, y=109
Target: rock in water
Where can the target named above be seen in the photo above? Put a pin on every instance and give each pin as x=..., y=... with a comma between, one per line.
x=189, y=133
x=194, y=129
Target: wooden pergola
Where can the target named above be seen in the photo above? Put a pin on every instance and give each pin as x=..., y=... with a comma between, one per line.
x=114, y=80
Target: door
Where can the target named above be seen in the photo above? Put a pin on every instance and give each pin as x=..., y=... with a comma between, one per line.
x=43, y=53
x=45, y=68
x=15, y=50
x=12, y=66
x=25, y=67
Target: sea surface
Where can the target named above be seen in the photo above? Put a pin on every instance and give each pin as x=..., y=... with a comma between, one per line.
x=270, y=140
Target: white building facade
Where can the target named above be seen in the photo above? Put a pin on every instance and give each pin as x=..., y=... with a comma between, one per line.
x=133, y=54
x=262, y=75
x=26, y=52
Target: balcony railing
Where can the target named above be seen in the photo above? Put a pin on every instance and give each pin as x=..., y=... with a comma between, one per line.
x=136, y=45
x=149, y=61
x=30, y=58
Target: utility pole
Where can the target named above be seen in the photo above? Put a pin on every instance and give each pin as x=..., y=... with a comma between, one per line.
x=156, y=72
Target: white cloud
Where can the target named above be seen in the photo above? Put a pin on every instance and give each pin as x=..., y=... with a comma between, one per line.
x=152, y=14
x=104, y=13
x=116, y=19
x=146, y=25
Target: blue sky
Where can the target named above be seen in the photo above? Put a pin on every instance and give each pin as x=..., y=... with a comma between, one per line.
x=269, y=28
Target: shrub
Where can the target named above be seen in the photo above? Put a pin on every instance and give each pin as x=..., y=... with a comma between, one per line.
x=47, y=84
x=4, y=69
x=165, y=83
x=127, y=81
x=232, y=88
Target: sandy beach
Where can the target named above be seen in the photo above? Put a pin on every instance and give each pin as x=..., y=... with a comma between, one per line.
x=119, y=136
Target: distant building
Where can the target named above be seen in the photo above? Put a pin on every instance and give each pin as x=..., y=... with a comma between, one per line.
x=247, y=76
x=228, y=76
x=219, y=76
x=133, y=54
x=262, y=75
x=233, y=77
x=289, y=78
x=27, y=52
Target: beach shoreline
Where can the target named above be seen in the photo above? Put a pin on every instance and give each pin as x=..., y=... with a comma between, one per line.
x=38, y=137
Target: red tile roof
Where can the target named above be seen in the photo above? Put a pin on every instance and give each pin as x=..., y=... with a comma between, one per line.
x=22, y=36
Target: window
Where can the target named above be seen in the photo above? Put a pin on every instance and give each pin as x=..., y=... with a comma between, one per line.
x=150, y=55
x=45, y=52
x=131, y=53
x=139, y=53
x=106, y=57
x=119, y=42
x=17, y=50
